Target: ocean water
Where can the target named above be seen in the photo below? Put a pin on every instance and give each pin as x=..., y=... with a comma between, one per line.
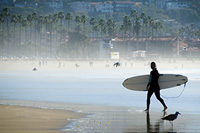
x=101, y=87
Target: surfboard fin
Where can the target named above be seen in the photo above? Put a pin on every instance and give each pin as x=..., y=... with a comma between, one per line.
x=184, y=79
x=185, y=84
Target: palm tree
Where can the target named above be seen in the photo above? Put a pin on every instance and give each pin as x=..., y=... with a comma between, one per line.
x=50, y=30
x=92, y=22
x=181, y=32
x=2, y=20
x=20, y=20
x=30, y=19
x=145, y=26
x=14, y=20
x=191, y=30
x=61, y=16
x=137, y=28
x=78, y=20
x=111, y=27
x=46, y=22
x=40, y=24
x=197, y=33
x=134, y=15
x=56, y=25
x=68, y=18
x=157, y=26
x=101, y=24
x=96, y=29
x=146, y=22
x=122, y=28
x=127, y=24
x=144, y=18
x=6, y=14
x=34, y=19
x=83, y=20
x=25, y=24
x=105, y=30
x=151, y=25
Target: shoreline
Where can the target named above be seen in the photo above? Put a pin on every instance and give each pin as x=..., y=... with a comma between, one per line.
x=42, y=117
x=18, y=119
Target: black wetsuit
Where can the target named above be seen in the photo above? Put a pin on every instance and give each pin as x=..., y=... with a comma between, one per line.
x=154, y=87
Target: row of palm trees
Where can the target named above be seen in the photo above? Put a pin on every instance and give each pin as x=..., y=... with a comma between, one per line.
x=46, y=36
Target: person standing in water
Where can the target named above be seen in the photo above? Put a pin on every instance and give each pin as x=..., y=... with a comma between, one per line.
x=153, y=87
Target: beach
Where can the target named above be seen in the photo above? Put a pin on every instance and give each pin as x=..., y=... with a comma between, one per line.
x=42, y=117
x=18, y=119
x=60, y=97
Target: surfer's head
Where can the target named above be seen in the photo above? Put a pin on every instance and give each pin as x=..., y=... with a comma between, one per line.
x=153, y=65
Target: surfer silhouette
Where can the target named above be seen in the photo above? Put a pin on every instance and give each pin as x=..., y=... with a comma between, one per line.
x=153, y=87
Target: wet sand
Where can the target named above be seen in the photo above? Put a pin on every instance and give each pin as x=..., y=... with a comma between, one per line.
x=16, y=119
x=89, y=118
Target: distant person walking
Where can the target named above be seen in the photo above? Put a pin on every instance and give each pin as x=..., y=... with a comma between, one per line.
x=117, y=64
x=153, y=87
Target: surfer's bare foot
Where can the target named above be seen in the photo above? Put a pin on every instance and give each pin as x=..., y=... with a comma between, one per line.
x=165, y=108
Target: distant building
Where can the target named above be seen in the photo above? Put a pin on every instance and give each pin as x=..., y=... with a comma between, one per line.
x=5, y=2
x=105, y=7
x=19, y=4
x=161, y=3
x=55, y=4
x=95, y=6
x=169, y=46
x=106, y=47
x=25, y=3
x=172, y=4
x=123, y=6
x=178, y=4
x=81, y=6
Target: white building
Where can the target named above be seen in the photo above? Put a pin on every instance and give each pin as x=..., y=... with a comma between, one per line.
x=81, y=6
x=121, y=6
x=178, y=4
x=105, y=7
x=106, y=47
x=161, y=3
x=55, y=4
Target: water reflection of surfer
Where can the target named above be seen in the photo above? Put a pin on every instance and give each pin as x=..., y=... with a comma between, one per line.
x=153, y=87
x=154, y=128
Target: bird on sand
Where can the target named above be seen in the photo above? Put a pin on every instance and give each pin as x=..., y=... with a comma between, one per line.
x=171, y=117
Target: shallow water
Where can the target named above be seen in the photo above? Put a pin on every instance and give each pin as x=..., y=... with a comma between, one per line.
x=97, y=87
x=116, y=119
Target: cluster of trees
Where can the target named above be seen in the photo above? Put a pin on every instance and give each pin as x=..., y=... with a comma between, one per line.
x=70, y=35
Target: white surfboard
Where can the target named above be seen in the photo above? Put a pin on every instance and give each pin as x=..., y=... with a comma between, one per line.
x=165, y=81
